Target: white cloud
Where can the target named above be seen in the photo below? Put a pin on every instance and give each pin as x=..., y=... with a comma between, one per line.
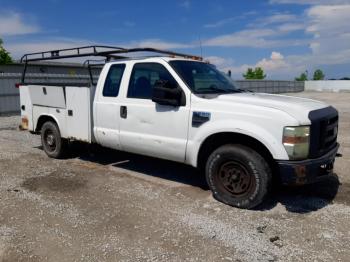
x=18, y=49
x=278, y=18
x=276, y=66
x=330, y=29
x=220, y=23
x=328, y=41
x=229, y=20
x=329, y=19
x=249, y=13
x=276, y=62
x=266, y=32
x=220, y=62
x=129, y=23
x=256, y=38
x=276, y=56
x=11, y=23
x=157, y=43
x=290, y=27
x=186, y=4
x=247, y=38
x=309, y=2
x=225, y=64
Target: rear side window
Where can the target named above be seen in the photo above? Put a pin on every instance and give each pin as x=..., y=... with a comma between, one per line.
x=113, y=79
x=143, y=78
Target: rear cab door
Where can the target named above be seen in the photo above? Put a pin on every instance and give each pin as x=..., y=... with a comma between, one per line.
x=106, y=106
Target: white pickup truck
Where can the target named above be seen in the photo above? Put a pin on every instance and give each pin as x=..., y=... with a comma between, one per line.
x=179, y=108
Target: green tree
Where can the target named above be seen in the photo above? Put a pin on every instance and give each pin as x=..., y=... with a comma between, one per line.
x=249, y=74
x=257, y=73
x=318, y=75
x=5, y=57
x=302, y=77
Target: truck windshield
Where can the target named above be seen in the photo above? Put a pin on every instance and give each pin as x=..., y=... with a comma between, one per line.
x=203, y=78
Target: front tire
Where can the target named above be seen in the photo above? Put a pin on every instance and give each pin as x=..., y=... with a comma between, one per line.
x=53, y=144
x=238, y=176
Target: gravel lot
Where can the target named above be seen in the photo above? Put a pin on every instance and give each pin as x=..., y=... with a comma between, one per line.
x=103, y=205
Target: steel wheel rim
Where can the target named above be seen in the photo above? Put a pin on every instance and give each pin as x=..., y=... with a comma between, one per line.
x=234, y=177
x=50, y=140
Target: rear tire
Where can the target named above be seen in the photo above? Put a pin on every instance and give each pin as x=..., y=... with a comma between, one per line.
x=53, y=144
x=238, y=176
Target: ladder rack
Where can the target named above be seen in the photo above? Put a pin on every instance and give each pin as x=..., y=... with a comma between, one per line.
x=109, y=52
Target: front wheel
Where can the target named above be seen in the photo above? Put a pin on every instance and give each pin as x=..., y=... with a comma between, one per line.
x=53, y=144
x=238, y=176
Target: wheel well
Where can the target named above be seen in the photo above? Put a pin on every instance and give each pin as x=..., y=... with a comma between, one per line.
x=43, y=119
x=214, y=141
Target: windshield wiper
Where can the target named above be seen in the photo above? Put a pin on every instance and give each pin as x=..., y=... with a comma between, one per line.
x=245, y=90
x=216, y=88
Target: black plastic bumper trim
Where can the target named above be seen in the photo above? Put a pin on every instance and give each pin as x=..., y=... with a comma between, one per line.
x=307, y=171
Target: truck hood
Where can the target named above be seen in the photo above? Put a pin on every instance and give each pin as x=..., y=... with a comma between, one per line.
x=296, y=107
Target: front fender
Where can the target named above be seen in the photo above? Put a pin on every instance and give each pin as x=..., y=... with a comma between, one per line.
x=271, y=139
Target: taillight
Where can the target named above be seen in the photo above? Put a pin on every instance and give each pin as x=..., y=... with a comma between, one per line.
x=24, y=123
x=17, y=85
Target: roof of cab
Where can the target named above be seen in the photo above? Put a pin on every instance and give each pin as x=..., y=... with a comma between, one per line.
x=153, y=58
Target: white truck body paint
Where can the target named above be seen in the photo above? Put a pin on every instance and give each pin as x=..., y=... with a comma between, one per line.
x=164, y=131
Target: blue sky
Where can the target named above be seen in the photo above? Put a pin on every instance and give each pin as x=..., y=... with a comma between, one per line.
x=285, y=37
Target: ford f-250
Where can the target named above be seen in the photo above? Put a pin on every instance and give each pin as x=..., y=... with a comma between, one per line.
x=179, y=108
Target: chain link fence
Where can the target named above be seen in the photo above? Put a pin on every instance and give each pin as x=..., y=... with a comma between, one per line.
x=271, y=86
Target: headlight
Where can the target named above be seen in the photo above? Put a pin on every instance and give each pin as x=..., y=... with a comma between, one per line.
x=296, y=141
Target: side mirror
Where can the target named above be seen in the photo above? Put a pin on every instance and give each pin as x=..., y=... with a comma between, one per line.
x=164, y=93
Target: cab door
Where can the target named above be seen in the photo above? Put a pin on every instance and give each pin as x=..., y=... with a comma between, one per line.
x=147, y=127
x=107, y=106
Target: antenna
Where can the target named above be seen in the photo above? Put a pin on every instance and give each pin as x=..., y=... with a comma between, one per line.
x=200, y=45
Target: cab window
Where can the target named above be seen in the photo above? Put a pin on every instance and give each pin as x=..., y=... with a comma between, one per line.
x=113, y=79
x=143, y=78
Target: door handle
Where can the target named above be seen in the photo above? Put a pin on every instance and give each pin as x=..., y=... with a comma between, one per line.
x=123, y=111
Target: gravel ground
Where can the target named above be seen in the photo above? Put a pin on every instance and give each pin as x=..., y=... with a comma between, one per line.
x=103, y=205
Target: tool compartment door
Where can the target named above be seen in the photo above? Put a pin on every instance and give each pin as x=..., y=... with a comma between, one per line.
x=50, y=96
x=78, y=114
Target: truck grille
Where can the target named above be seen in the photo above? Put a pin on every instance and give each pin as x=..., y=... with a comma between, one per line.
x=323, y=131
x=329, y=131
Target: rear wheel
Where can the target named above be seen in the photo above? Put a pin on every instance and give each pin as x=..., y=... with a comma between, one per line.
x=238, y=176
x=53, y=144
